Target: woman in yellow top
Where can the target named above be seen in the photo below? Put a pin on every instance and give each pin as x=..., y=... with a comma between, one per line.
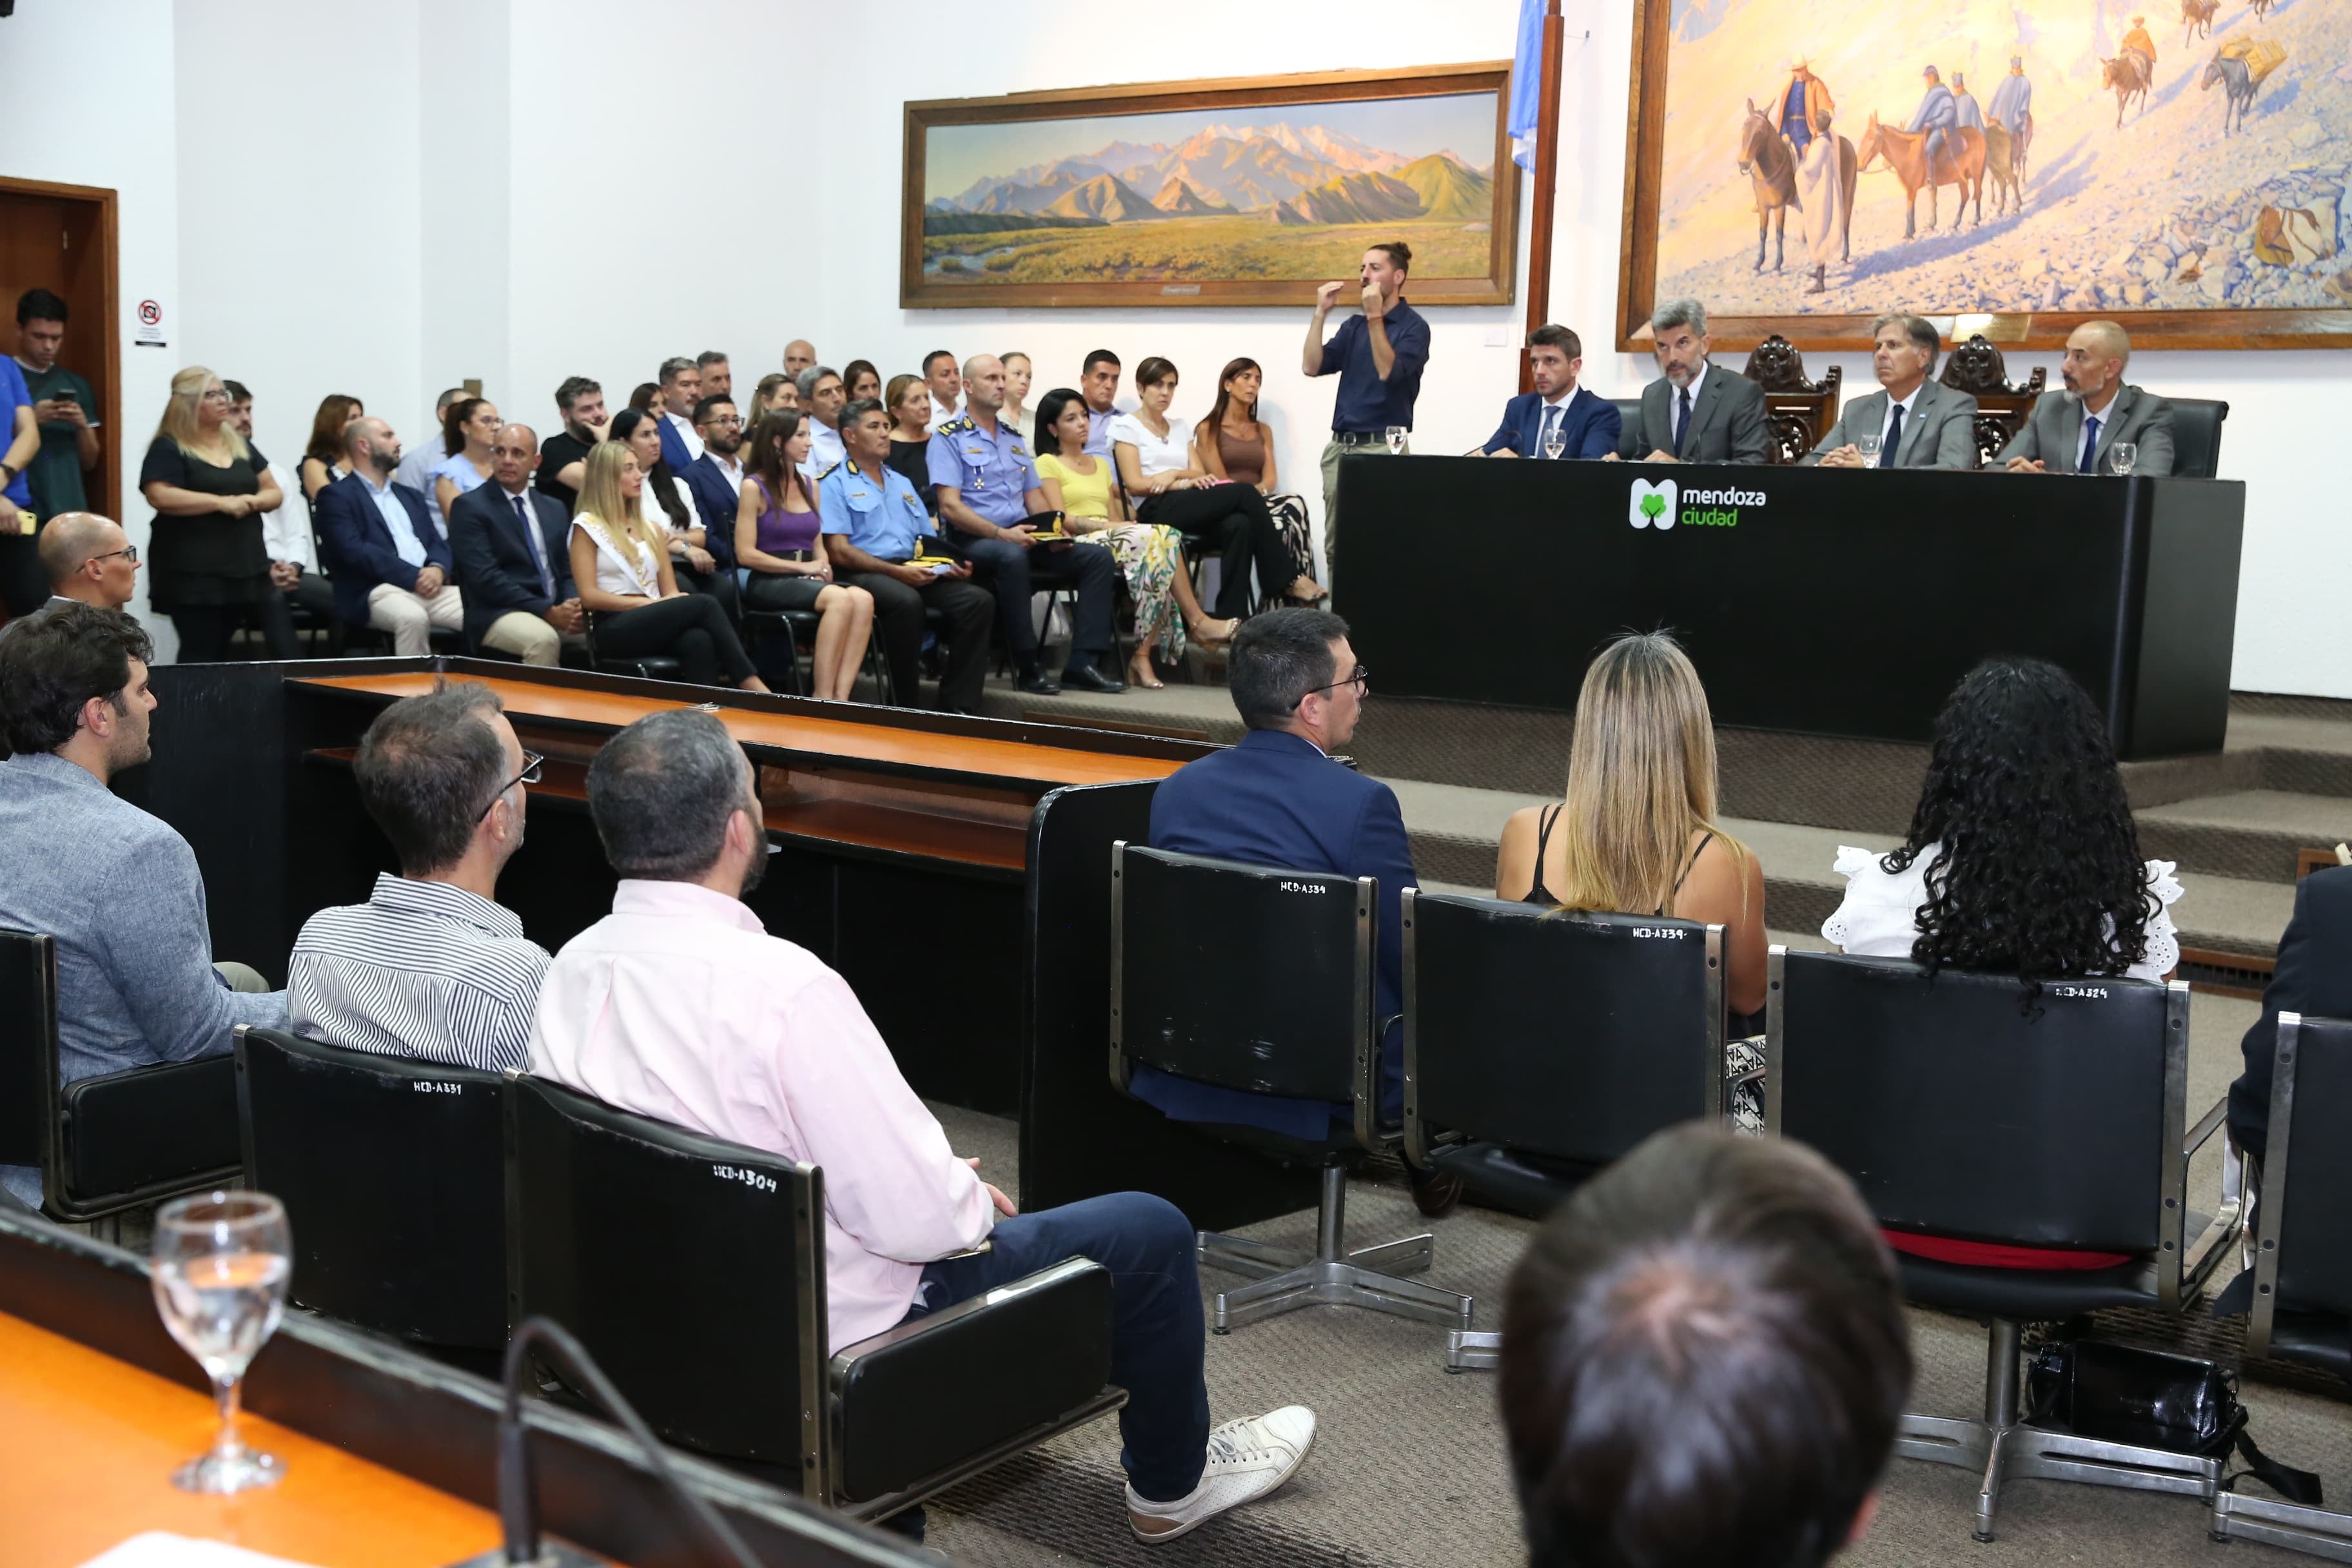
x=1082, y=488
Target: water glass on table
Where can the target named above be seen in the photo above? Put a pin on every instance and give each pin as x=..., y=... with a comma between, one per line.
x=1868, y=447
x=2122, y=456
x=1396, y=434
x=1555, y=442
x=222, y=1261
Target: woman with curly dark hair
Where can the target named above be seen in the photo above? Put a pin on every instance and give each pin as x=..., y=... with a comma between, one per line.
x=2023, y=857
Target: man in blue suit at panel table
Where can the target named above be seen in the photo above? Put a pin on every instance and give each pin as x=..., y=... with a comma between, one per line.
x=391, y=568
x=512, y=548
x=1278, y=799
x=1588, y=426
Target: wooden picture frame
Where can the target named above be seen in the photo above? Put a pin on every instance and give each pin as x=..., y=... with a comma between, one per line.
x=2166, y=298
x=1325, y=198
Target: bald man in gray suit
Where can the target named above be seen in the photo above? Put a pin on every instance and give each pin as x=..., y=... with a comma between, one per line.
x=2076, y=431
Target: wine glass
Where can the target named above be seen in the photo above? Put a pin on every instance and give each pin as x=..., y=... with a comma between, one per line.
x=1868, y=447
x=2122, y=456
x=222, y=1261
x=1555, y=442
x=1396, y=434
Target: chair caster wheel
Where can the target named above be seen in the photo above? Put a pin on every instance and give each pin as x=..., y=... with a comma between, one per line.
x=1221, y=1330
x=1980, y=1535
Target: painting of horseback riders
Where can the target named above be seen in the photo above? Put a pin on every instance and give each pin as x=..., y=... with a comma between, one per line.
x=1801, y=165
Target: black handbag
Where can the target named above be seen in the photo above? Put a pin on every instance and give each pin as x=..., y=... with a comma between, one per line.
x=2116, y=1393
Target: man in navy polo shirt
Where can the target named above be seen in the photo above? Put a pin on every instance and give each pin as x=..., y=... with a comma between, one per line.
x=993, y=506
x=1378, y=357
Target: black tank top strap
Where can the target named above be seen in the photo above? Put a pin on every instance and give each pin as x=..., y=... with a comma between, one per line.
x=1539, y=894
x=1687, y=869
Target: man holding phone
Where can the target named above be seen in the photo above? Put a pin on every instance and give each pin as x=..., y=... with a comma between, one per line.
x=64, y=408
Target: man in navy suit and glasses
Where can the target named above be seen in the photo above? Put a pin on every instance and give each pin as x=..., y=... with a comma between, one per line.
x=512, y=550
x=1278, y=799
x=1588, y=426
x=389, y=564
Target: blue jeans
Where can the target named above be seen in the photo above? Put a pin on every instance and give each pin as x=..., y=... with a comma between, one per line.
x=1156, y=1327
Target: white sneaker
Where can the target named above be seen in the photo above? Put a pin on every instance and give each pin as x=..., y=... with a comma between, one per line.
x=1248, y=1458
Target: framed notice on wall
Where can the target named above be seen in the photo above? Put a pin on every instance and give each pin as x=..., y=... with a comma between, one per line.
x=1247, y=191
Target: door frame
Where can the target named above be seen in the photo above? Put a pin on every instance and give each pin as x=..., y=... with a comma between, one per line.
x=111, y=495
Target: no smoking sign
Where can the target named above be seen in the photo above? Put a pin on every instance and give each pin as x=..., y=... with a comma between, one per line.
x=151, y=325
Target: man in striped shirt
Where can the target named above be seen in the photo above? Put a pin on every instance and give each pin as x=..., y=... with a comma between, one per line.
x=431, y=966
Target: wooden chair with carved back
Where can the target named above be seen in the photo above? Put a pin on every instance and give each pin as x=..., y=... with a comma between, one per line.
x=1797, y=412
x=1975, y=367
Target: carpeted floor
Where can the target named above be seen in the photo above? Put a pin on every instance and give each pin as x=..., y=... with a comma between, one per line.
x=1408, y=1467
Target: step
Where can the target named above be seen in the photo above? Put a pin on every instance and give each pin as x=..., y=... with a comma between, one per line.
x=2251, y=834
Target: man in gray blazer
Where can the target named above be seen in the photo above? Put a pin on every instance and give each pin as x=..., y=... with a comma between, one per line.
x=1918, y=423
x=2076, y=431
x=1694, y=412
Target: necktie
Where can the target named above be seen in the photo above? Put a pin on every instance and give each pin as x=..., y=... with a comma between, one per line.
x=1682, y=421
x=1894, y=440
x=538, y=545
x=2090, y=462
x=1550, y=424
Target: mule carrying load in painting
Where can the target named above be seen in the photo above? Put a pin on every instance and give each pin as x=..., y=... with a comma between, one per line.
x=2239, y=66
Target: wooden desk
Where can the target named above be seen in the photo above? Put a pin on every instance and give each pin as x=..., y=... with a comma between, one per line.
x=88, y=1444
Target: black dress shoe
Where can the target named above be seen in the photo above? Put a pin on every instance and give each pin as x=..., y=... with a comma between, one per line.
x=1434, y=1192
x=1035, y=683
x=1089, y=678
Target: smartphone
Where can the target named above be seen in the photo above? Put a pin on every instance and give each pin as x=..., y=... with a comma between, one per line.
x=65, y=395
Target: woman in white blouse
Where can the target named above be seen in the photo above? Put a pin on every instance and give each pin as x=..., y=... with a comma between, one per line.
x=669, y=502
x=1159, y=469
x=2023, y=857
x=620, y=564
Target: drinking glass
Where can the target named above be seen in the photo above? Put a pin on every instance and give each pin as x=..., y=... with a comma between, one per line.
x=1555, y=443
x=1396, y=440
x=1868, y=447
x=2123, y=455
x=222, y=1261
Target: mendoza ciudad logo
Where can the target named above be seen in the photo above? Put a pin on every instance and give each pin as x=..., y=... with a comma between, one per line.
x=1666, y=503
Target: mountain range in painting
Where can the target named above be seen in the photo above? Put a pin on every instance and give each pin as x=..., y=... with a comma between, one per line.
x=1291, y=176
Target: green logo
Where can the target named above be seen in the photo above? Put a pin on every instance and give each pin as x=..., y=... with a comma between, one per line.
x=1653, y=507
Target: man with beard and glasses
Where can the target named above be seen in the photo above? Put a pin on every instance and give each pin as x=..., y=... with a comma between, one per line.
x=431, y=966
x=716, y=478
x=681, y=1007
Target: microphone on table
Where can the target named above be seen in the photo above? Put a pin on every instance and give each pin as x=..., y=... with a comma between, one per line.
x=523, y=1546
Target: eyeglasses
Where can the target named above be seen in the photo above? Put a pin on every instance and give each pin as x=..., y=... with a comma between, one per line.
x=531, y=762
x=1362, y=681
x=128, y=552
x=723, y=419
x=213, y=395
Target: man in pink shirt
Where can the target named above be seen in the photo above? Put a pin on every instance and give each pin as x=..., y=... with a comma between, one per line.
x=681, y=1007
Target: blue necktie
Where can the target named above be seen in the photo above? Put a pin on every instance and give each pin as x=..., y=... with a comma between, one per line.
x=1886, y=448
x=1550, y=424
x=1681, y=425
x=2089, y=463
x=538, y=545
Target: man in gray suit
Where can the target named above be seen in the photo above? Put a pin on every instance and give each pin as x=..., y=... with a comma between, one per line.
x=1918, y=423
x=1691, y=414
x=2076, y=431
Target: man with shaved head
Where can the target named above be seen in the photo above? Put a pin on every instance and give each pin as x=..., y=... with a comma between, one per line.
x=88, y=559
x=390, y=566
x=2076, y=431
x=800, y=354
x=994, y=508
x=510, y=544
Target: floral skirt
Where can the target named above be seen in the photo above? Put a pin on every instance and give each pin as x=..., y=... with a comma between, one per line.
x=1290, y=517
x=1150, y=556
x=1743, y=1072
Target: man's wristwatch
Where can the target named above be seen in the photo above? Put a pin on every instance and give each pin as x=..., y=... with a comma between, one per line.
x=12, y=471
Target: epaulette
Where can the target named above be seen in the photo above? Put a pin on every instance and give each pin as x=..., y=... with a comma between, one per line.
x=822, y=473
x=961, y=422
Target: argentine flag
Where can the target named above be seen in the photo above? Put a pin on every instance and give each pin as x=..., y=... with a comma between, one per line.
x=1527, y=84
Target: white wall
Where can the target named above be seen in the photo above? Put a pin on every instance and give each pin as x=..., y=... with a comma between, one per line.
x=130, y=146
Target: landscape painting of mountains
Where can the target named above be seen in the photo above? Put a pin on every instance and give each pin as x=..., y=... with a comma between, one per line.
x=1246, y=202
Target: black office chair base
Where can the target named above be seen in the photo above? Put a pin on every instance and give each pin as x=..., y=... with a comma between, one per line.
x=2003, y=1449
x=2315, y=1531
x=1330, y=1277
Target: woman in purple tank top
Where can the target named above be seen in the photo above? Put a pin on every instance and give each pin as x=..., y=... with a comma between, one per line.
x=781, y=551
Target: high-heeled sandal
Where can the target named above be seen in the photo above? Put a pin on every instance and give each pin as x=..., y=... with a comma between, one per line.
x=1140, y=673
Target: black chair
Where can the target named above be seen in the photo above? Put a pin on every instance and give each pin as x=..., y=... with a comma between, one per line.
x=795, y=627
x=2196, y=436
x=648, y=666
x=1261, y=980
x=1960, y=1114
x=693, y=1269
x=1629, y=410
x=2302, y=1257
x=393, y=1172
x=111, y=1142
x=1539, y=1046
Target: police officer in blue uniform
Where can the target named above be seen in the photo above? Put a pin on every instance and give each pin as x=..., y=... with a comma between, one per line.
x=873, y=524
x=992, y=502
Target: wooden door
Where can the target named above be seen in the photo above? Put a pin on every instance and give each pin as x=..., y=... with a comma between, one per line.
x=62, y=238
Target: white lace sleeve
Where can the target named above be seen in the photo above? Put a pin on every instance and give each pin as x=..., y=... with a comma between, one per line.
x=1849, y=863
x=2163, y=939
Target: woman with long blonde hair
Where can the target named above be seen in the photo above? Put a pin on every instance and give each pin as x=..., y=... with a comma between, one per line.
x=208, y=561
x=1636, y=832
x=620, y=563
